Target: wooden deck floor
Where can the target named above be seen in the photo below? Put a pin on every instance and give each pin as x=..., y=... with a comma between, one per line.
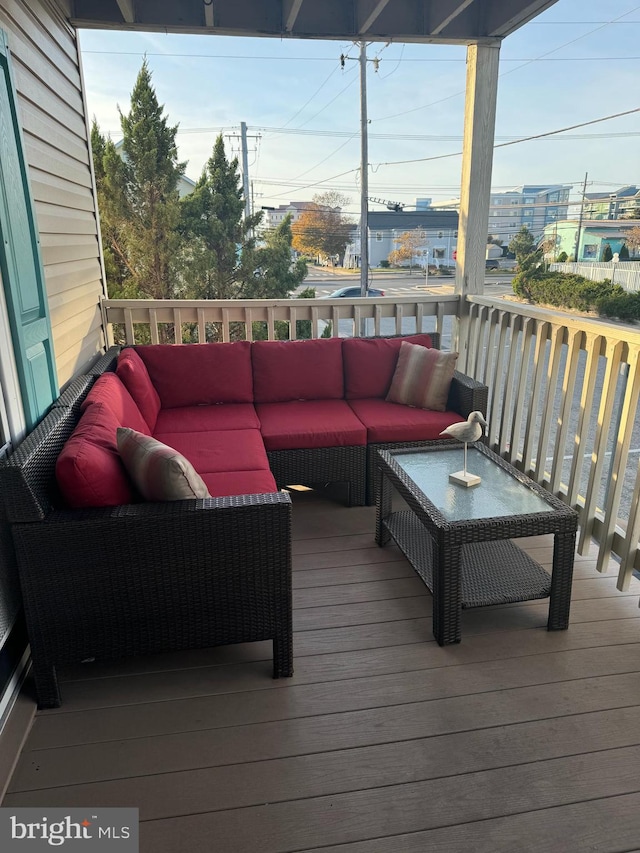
x=515, y=740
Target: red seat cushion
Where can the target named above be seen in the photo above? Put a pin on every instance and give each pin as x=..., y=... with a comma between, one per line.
x=207, y=418
x=199, y=374
x=369, y=364
x=222, y=450
x=110, y=390
x=88, y=470
x=312, y=423
x=386, y=422
x=297, y=370
x=135, y=377
x=227, y=483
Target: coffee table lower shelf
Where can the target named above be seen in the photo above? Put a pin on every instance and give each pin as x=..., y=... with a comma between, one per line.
x=490, y=573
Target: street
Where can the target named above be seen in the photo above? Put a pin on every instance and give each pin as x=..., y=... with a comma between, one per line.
x=326, y=280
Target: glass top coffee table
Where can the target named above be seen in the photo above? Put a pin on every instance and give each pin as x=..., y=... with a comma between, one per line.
x=457, y=537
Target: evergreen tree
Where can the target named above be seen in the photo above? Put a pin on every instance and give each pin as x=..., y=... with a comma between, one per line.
x=624, y=252
x=523, y=244
x=276, y=274
x=607, y=254
x=138, y=198
x=220, y=249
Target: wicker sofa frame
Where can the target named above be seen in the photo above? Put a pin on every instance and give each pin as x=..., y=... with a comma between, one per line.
x=121, y=581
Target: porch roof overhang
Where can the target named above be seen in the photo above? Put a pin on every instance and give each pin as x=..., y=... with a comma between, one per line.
x=426, y=21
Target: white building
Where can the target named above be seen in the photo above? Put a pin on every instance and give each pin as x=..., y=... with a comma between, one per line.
x=437, y=228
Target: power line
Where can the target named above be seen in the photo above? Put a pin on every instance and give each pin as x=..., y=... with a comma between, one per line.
x=511, y=70
x=513, y=142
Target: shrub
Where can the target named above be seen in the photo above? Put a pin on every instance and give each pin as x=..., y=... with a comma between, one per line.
x=564, y=290
x=623, y=306
x=384, y=263
x=562, y=258
x=607, y=255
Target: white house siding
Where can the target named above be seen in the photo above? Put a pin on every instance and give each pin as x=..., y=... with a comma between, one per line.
x=46, y=71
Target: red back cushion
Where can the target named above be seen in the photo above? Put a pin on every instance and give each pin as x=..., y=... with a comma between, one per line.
x=297, y=370
x=369, y=364
x=135, y=377
x=109, y=389
x=88, y=469
x=199, y=374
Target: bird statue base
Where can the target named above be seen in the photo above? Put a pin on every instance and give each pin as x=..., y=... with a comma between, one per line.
x=464, y=478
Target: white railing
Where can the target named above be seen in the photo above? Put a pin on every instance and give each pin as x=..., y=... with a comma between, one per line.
x=563, y=391
x=626, y=274
x=153, y=321
x=563, y=407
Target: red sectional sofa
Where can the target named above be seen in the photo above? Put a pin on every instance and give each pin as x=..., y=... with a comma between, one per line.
x=105, y=574
x=254, y=417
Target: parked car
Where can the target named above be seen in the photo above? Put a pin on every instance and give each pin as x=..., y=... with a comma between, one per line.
x=351, y=292
x=492, y=264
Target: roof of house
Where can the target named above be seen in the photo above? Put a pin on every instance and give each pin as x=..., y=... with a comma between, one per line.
x=624, y=192
x=405, y=220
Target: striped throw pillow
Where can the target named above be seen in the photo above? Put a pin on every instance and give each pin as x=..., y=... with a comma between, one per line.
x=159, y=472
x=422, y=377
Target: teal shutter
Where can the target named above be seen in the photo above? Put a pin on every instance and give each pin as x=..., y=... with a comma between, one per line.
x=20, y=262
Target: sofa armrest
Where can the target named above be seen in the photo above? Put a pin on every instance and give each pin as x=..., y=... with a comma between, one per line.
x=467, y=395
x=131, y=580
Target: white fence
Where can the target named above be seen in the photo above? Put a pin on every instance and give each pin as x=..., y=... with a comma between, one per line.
x=563, y=407
x=626, y=273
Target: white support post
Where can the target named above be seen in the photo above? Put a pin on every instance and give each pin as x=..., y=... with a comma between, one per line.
x=477, y=160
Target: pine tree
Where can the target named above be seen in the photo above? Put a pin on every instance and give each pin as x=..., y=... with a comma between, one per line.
x=523, y=244
x=220, y=248
x=138, y=198
x=276, y=274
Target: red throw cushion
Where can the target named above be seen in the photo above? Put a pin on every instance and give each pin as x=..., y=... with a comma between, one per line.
x=369, y=364
x=199, y=374
x=222, y=450
x=297, y=370
x=135, y=377
x=89, y=470
x=110, y=390
x=227, y=483
x=311, y=423
x=386, y=422
x=422, y=377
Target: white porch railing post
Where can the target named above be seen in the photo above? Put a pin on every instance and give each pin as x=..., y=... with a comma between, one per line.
x=477, y=161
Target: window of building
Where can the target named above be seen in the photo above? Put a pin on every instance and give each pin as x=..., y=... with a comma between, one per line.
x=529, y=200
x=379, y=236
x=440, y=235
x=528, y=211
x=439, y=254
x=423, y=235
x=590, y=250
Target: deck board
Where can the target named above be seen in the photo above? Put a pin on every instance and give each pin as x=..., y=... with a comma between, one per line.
x=382, y=742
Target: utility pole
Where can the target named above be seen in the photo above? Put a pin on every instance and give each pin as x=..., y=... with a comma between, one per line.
x=584, y=190
x=244, y=154
x=245, y=170
x=364, y=174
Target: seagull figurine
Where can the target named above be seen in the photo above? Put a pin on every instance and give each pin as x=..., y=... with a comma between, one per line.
x=469, y=430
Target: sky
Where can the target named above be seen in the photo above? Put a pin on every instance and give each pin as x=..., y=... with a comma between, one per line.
x=577, y=62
